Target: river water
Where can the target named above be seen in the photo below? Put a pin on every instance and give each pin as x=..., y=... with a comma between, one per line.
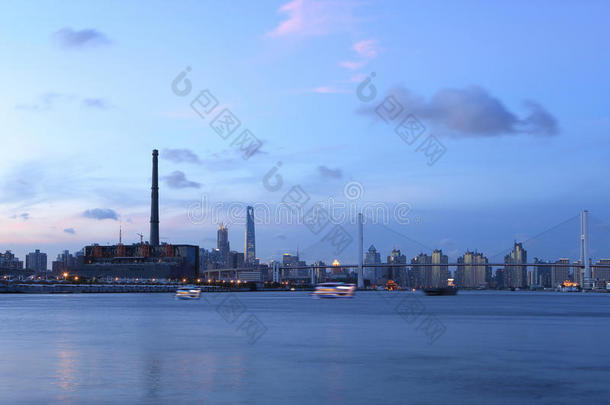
x=284, y=347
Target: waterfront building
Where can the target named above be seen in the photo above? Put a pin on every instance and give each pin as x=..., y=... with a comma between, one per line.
x=417, y=273
x=602, y=274
x=36, y=261
x=64, y=262
x=236, y=260
x=560, y=274
x=578, y=273
x=372, y=257
x=139, y=260
x=437, y=276
x=222, y=245
x=249, y=243
x=212, y=259
x=472, y=270
x=320, y=271
x=289, y=260
x=516, y=276
x=398, y=274
x=543, y=273
x=9, y=262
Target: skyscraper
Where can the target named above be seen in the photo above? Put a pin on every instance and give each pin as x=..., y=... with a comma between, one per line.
x=516, y=276
x=36, y=261
x=559, y=274
x=250, y=245
x=223, y=244
x=8, y=261
x=472, y=270
x=543, y=273
x=436, y=276
x=372, y=256
x=398, y=274
x=417, y=272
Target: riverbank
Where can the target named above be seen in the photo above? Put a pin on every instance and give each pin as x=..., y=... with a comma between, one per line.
x=102, y=288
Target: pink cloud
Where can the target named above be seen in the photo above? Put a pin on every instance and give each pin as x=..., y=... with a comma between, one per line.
x=366, y=48
x=352, y=65
x=312, y=17
x=357, y=78
x=329, y=90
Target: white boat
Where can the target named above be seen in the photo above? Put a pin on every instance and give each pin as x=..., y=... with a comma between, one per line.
x=334, y=290
x=188, y=293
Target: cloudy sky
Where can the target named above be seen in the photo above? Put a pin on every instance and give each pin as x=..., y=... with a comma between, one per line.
x=514, y=94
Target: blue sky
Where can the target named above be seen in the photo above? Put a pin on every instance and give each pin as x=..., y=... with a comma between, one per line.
x=517, y=92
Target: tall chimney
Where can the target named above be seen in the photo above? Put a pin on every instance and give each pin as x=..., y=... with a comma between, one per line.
x=154, y=201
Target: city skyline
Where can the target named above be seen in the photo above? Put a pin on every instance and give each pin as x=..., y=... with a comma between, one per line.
x=304, y=201
x=60, y=193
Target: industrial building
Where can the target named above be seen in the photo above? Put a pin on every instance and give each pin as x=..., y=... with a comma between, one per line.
x=144, y=260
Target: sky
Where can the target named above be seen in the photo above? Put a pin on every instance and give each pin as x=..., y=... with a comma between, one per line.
x=471, y=124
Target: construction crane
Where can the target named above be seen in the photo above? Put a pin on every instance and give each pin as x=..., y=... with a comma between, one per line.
x=141, y=238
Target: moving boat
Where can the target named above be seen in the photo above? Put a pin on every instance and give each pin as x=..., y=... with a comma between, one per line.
x=188, y=293
x=334, y=290
x=450, y=290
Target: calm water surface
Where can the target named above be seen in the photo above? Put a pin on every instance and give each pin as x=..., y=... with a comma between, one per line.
x=498, y=347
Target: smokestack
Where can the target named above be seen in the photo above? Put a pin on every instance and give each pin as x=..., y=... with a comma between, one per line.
x=154, y=201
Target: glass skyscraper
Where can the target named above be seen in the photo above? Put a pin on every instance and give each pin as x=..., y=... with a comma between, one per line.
x=250, y=245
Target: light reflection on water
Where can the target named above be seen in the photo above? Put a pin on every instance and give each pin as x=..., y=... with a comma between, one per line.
x=148, y=348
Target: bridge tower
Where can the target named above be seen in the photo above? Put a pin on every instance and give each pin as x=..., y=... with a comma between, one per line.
x=584, y=251
x=360, y=253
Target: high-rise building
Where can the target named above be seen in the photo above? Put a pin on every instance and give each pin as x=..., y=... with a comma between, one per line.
x=417, y=274
x=250, y=245
x=516, y=276
x=289, y=260
x=398, y=274
x=543, y=273
x=320, y=271
x=602, y=274
x=36, y=261
x=371, y=257
x=559, y=274
x=65, y=262
x=437, y=276
x=236, y=260
x=222, y=244
x=472, y=271
x=9, y=262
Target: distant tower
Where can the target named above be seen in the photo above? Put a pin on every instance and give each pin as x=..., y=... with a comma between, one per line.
x=250, y=245
x=223, y=243
x=154, y=201
x=584, y=252
x=360, y=253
